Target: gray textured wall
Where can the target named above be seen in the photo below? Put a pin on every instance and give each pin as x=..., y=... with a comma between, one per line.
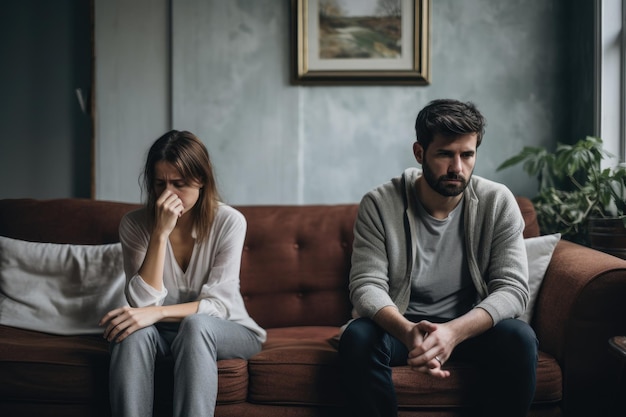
x=132, y=85
x=221, y=69
x=276, y=143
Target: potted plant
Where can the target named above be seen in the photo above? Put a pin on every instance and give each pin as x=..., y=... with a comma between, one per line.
x=577, y=197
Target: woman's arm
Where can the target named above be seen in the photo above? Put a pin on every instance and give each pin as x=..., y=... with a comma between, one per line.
x=144, y=266
x=144, y=255
x=122, y=322
x=169, y=208
x=217, y=294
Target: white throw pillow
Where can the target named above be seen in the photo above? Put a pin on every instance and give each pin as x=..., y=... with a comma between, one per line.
x=539, y=252
x=59, y=288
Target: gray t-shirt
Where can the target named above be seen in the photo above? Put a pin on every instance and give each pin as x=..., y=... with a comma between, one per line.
x=441, y=285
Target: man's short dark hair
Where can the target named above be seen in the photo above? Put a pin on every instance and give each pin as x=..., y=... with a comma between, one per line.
x=449, y=118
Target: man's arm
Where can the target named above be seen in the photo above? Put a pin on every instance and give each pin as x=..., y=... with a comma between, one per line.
x=430, y=344
x=394, y=323
x=442, y=339
x=505, y=270
x=369, y=283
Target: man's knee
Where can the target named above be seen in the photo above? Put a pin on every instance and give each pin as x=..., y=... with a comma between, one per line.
x=515, y=341
x=518, y=334
x=359, y=338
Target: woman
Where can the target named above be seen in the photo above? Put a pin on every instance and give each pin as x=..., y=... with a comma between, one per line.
x=182, y=255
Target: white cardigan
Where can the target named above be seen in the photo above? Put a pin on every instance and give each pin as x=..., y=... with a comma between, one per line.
x=212, y=276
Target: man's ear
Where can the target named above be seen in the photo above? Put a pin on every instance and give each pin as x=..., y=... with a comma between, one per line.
x=418, y=152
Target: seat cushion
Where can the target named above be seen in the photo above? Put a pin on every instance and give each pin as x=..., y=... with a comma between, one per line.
x=300, y=366
x=419, y=390
x=40, y=367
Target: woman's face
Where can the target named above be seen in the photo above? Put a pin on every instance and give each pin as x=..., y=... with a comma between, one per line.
x=167, y=178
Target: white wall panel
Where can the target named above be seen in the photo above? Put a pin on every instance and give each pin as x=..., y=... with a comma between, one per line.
x=132, y=90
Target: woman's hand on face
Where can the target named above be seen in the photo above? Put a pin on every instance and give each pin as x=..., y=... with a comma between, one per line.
x=169, y=208
x=122, y=322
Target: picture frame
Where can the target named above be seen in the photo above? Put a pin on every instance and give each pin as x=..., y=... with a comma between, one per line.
x=351, y=42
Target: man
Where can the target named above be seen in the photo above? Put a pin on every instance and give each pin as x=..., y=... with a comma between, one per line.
x=439, y=272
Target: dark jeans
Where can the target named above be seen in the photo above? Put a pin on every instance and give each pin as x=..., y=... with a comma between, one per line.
x=506, y=355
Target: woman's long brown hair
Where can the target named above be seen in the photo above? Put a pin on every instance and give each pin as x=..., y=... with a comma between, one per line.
x=188, y=154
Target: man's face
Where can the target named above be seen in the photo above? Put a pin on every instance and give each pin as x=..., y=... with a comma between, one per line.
x=448, y=163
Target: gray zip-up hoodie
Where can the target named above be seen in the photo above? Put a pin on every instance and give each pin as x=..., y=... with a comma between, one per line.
x=385, y=250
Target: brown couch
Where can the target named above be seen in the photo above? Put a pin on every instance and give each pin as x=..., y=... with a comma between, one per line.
x=294, y=280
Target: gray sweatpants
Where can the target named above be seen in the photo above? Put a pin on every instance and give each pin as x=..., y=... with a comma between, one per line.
x=196, y=346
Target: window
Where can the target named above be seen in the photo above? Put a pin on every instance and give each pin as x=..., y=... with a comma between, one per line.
x=610, y=77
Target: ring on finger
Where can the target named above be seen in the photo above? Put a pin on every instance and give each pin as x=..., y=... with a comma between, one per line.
x=439, y=360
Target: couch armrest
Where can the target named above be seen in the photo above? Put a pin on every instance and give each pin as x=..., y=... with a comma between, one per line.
x=581, y=304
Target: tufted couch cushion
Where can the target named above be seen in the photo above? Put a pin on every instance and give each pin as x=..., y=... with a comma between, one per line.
x=295, y=264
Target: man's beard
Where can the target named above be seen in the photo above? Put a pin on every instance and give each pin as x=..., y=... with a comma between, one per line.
x=437, y=184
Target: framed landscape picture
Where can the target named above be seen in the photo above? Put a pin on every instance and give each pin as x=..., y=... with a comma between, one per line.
x=360, y=41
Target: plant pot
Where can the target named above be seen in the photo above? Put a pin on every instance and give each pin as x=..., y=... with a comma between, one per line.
x=608, y=235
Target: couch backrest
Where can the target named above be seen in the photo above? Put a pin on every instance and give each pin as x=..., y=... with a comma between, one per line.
x=67, y=220
x=295, y=262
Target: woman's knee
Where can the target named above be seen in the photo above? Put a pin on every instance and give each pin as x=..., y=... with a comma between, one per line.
x=222, y=338
x=140, y=342
x=147, y=335
x=196, y=324
x=199, y=329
